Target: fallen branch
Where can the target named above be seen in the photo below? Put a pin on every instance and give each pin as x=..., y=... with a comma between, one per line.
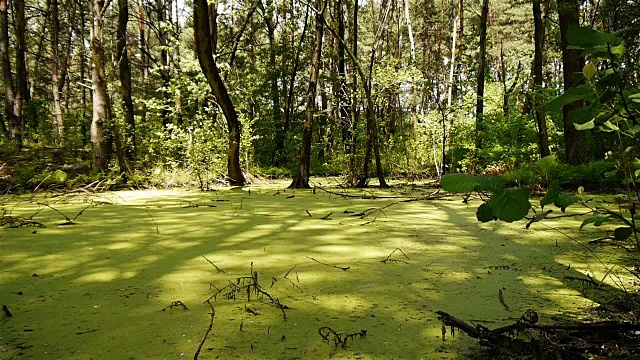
x=214, y=265
x=328, y=335
x=389, y=259
x=335, y=266
x=176, y=303
x=206, y=334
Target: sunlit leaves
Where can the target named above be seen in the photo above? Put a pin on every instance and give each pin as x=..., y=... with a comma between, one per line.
x=459, y=183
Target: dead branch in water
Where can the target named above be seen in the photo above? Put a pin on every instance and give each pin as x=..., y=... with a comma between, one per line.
x=572, y=337
x=176, y=303
x=214, y=265
x=335, y=266
x=206, y=334
x=328, y=335
x=389, y=259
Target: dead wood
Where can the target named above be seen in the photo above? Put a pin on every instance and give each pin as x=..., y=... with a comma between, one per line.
x=206, y=334
x=570, y=338
x=389, y=259
x=214, y=265
x=325, y=264
x=329, y=335
x=176, y=303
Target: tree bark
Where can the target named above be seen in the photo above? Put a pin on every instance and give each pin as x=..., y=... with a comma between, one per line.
x=55, y=81
x=101, y=146
x=541, y=119
x=301, y=179
x=22, y=88
x=207, y=63
x=125, y=80
x=144, y=63
x=482, y=59
x=575, y=141
x=7, y=76
x=164, y=59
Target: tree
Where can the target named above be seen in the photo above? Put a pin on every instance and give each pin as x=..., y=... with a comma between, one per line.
x=102, y=128
x=55, y=80
x=125, y=79
x=301, y=179
x=22, y=88
x=7, y=76
x=482, y=59
x=541, y=120
x=208, y=65
x=575, y=141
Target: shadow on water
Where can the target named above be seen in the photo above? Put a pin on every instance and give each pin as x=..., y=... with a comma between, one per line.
x=96, y=289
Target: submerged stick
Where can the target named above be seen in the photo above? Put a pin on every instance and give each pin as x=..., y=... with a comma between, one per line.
x=206, y=334
x=335, y=266
x=214, y=265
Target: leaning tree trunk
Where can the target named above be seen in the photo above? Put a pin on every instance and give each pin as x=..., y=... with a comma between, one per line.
x=301, y=179
x=210, y=69
x=125, y=80
x=482, y=59
x=7, y=77
x=575, y=141
x=541, y=120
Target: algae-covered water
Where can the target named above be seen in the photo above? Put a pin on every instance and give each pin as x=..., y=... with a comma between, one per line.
x=97, y=289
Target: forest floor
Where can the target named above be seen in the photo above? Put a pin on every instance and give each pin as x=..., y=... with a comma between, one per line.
x=125, y=275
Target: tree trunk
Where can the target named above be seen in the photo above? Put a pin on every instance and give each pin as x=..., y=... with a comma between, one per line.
x=210, y=70
x=164, y=59
x=575, y=141
x=301, y=179
x=458, y=69
x=125, y=80
x=144, y=65
x=347, y=133
x=482, y=59
x=7, y=76
x=541, y=119
x=22, y=88
x=101, y=147
x=55, y=81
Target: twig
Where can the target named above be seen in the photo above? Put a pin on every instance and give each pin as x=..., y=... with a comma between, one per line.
x=206, y=334
x=154, y=221
x=326, y=217
x=214, y=265
x=176, y=303
x=5, y=310
x=389, y=259
x=328, y=334
x=501, y=298
x=335, y=266
x=68, y=222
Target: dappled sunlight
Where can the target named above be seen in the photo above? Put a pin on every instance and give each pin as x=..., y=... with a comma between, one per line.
x=110, y=275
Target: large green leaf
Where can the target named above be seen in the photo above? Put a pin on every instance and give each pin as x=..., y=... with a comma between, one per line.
x=622, y=233
x=510, y=204
x=582, y=92
x=551, y=195
x=584, y=114
x=586, y=126
x=459, y=183
x=635, y=97
x=492, y=183
x=485, y=213
x=586, y=38
x=546, y=163
x=595, y=220
x=565, y=200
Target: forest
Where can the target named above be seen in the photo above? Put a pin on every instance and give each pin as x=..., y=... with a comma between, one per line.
x=379, y=163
